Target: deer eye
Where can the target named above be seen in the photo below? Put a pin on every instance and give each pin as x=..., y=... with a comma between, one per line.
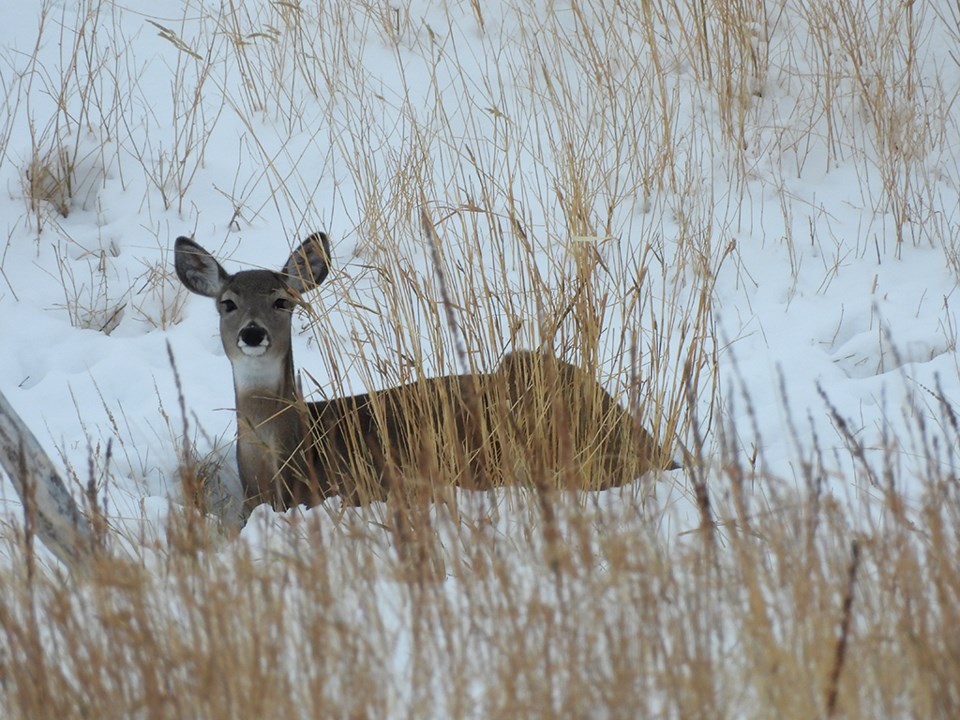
x=282, y=304
x=228, y=306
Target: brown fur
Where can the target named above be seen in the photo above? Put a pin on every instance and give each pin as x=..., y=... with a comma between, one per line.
x=534, y=414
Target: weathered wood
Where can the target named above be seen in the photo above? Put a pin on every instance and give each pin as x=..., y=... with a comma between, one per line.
x=56, y=517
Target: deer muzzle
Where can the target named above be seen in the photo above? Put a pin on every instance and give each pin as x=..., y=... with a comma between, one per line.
x=253, y=340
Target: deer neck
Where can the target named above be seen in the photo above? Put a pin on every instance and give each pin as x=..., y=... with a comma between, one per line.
x=270, y=427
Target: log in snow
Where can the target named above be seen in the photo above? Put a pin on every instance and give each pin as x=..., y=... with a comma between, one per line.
x=58, y=521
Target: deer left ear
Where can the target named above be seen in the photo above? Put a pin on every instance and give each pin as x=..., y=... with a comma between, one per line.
x=309, y=264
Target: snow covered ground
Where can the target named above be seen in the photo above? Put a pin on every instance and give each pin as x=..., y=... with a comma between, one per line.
x=827, y=194
x=795, y=170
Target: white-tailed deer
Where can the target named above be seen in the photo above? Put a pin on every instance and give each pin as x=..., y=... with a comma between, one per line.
x=534, y=420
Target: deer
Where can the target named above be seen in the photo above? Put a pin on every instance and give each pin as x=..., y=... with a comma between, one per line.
x=533, y=420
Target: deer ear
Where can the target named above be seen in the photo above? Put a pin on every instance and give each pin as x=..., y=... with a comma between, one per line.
x=197, y=269
x=309, y=264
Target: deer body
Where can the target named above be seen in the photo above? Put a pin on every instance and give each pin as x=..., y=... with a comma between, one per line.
x=533, y=417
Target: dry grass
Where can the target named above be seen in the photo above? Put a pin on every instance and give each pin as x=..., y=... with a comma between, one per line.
x=559, y=199
x=778, y=608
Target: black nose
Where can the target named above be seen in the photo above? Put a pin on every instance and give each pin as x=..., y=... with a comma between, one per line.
x=253, y=335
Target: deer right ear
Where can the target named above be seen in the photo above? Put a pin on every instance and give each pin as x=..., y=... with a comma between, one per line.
x=309, y=264
x=197, y=269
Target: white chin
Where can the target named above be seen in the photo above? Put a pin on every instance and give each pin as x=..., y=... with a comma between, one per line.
x=253, y=350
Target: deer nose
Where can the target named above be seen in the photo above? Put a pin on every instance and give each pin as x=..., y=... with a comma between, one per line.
x=253, y=336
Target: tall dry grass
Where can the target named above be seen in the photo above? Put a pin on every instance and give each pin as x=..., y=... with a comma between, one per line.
x=779, y=606
x=557, y=200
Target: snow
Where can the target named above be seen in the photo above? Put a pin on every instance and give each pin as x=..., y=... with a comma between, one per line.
x=815, y=289
x=819, y=285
